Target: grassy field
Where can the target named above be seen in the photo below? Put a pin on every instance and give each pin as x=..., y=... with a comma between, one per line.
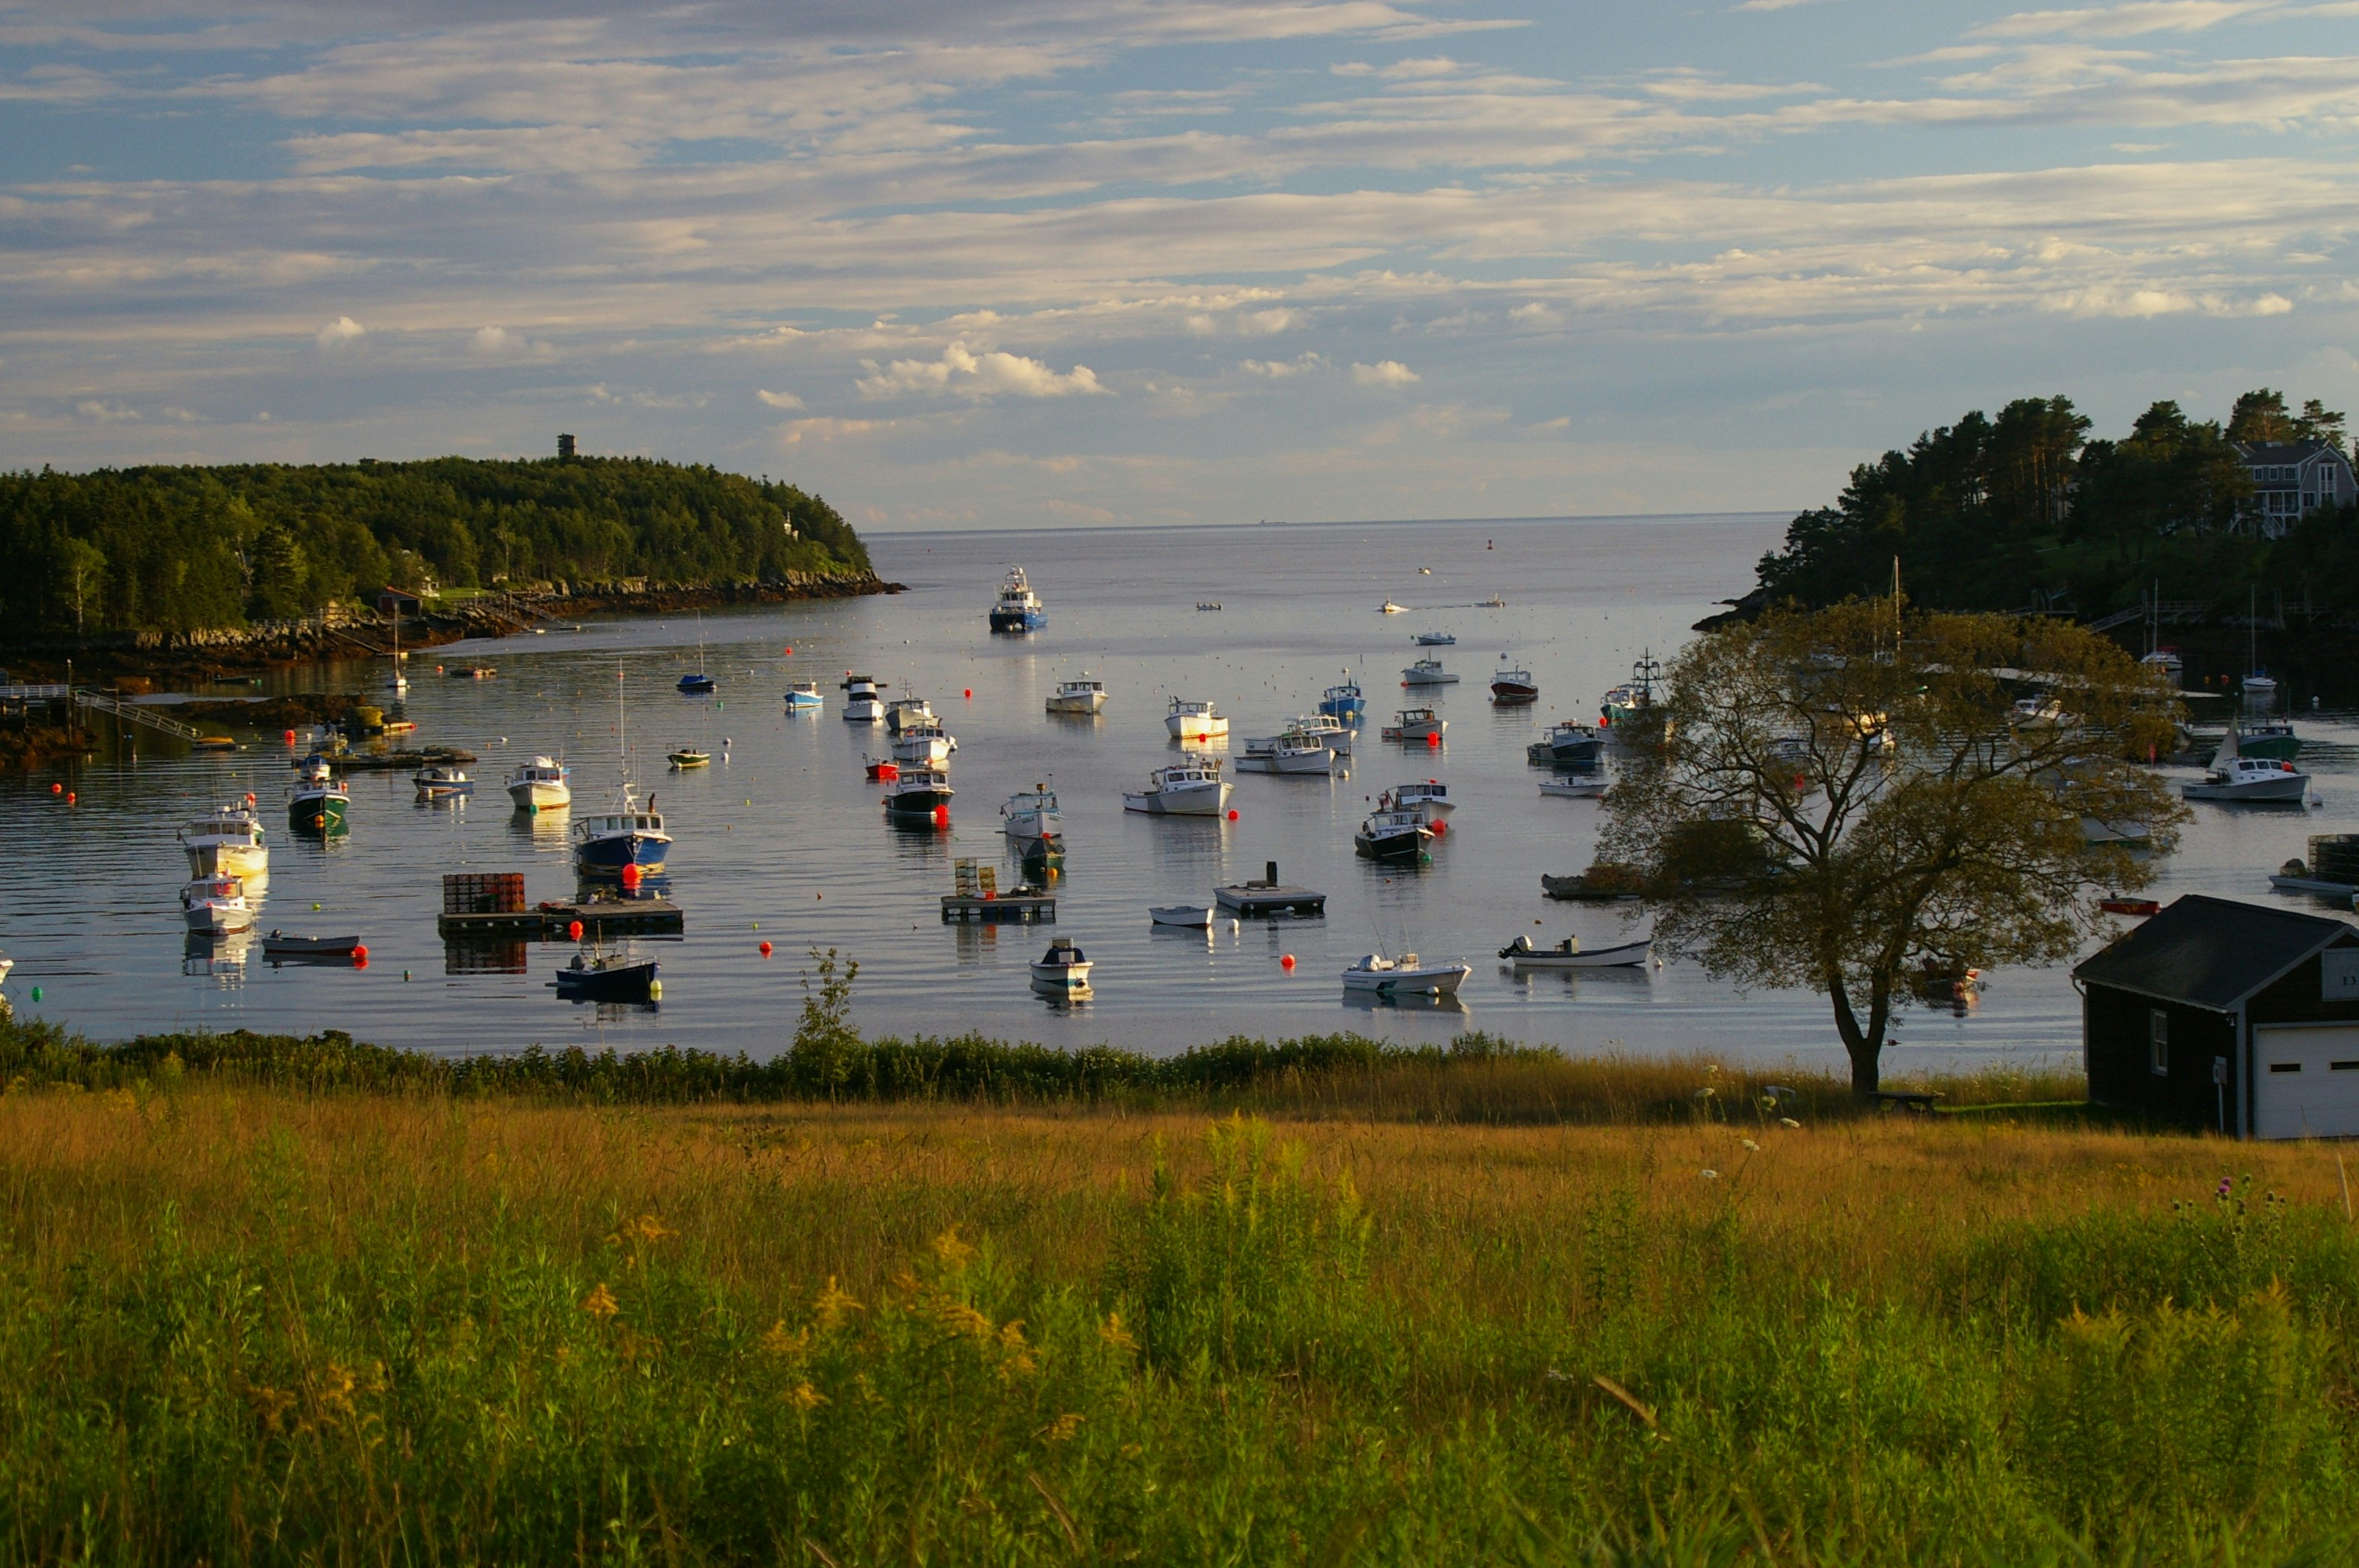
x=242, y=1321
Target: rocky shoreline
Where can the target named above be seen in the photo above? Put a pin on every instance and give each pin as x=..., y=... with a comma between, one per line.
x=149, y=661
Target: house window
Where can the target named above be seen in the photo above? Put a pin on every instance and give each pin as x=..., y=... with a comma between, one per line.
x=2157, y=1042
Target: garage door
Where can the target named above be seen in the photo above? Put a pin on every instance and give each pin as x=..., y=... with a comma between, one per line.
x=2306, y=1082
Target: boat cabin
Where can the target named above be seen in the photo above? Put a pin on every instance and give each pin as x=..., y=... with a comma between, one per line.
x=2235, y=1018
x=621, y=822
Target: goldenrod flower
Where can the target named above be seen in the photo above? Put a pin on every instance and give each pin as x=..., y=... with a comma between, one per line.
x=1114, y=1334
x=834, y=1306
x=600, y=1302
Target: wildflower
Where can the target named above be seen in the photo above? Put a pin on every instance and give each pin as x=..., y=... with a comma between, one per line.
x=1114, y=1334
x=2224, y=1188
x=1704, y=1093
x=1789, y=1121
x=1061, y=1428
x=1750, y=1146
x=832, y=1306
x=778, y=1342
x=600, y=1302
x=648, y=1228
x=952, y=1251
x=1710, y=1175
x=803, y=1396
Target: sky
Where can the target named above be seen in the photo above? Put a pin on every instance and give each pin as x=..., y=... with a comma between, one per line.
x=1002, y=263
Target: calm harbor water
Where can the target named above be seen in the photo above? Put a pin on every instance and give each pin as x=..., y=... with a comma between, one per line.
x=782, y=840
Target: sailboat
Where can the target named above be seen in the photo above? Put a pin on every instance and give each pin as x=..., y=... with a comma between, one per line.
x=630, y=836
x=698, y=684
x=400, y=682
x=2258, y=688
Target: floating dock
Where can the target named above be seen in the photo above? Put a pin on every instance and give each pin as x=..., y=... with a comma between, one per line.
x=1025, y=904
x=1269, y=896
x=554, y=922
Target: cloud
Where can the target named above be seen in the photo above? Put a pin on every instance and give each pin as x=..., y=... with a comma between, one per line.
x=795, y=432
x=778, y=399
x=961, y=372
x=2126, y=21
x=1279, y=370
x=1385, y=373
x=1533, y=313
x=341, y=333
x=105, y=413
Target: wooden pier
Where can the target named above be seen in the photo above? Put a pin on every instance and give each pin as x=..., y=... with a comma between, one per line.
x=1023, y=904
x=554, y=922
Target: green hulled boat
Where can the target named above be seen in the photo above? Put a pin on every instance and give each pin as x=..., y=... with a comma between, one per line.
x=2272, y=739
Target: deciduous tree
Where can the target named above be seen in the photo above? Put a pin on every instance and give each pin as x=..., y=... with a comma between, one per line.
x=1840, y=797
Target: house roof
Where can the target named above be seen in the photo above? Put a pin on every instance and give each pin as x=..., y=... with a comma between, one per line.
x=2212, y=953
x=2285, y=451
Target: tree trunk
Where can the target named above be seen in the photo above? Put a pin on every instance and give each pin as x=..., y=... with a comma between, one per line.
x=1865, y=1046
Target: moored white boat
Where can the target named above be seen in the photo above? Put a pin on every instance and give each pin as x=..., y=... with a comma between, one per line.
x=1429, y=799
x=539, y=785
x=804, y=696
x=1062, y=968
x=1389, y=607
x=1415, y=724
x=1032, y=813
x=920, y=792
x=1404, y=976
x=1018, y=608
x=1434, y=640
x=1568, y=954
x=1080, y=695
x=1190, y=788
x=2233, y=776
x=1427, y=672
x=216, y=905
x=1189, y=720
x=1510, y=685
x=1188, y=917
x=442, y=782
x=928, y=744
x=1293, y=752
x=1575, y=786
x=862, y=704
x=907, y=713
x=231, y=842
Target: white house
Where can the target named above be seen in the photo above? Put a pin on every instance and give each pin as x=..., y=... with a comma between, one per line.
x=2291, y=478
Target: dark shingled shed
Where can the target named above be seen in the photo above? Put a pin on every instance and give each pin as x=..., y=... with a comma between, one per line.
x=2235, y=1017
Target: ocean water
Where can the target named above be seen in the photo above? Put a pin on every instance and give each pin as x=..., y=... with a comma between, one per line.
x=783, y=840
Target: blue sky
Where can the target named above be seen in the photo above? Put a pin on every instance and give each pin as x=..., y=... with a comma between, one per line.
x=979, y=263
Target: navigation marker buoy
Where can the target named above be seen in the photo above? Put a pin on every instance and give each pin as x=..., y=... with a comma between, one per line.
x=1232, y=813
x=1286, y=960
x=765, y=949
x=573, y=929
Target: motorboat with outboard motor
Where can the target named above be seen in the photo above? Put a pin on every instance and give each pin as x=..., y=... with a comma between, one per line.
x=1405, y=976
x=1575, y=786
x=688, y=757
x=1569, y=955
x=1434, y=640
x=1427, y=672
x=595, y=977
x=441, y=780
x=1192, y=787
x=231, y=842
x=1062, y=968
x=539, y=785
x=1183, y=916
x=804, y=696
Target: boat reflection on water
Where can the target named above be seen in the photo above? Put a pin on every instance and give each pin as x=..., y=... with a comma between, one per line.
x=1403, y=1001
x=223, y=957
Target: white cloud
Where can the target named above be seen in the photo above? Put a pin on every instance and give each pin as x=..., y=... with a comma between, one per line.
x=495, y=343
x=1385, y=373
x=795, y=432
x=341, y=333
x=105, y=412
x=962, y=372
x=778, y=399
x=1279, y=370
x=1533, y=313
x=2126, y=21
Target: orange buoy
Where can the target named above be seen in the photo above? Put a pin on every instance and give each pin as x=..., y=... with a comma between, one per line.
x=1232, y=813
x=765, y=949
x=1432, y=739
x=360, y=952
x=631, y=875
x=941, y=816
x=573, y=929
x=790, y=652
x=57, y=789
x=290, y=737
x=1286, y=960
x=69, y=797
x=970, y=694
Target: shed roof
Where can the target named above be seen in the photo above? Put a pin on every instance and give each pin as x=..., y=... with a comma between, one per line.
x=2212, y=953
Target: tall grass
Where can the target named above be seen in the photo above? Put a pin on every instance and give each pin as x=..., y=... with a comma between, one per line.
x=1475, y=1077
x=251, y=1323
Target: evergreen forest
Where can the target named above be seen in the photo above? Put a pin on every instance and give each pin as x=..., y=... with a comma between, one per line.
x=183, y=549
x=2028, y=511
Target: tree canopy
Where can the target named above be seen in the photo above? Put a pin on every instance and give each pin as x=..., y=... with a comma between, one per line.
x=2028, y=511
x=188, y=548
x=1843, y=797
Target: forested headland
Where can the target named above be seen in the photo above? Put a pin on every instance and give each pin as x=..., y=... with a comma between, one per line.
x=2029, y=512
x=176, y=550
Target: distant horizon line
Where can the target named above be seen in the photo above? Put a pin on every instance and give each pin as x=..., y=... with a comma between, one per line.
x=876, y=531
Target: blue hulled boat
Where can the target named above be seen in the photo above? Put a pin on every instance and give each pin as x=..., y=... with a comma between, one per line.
x=1019, y=608
x=1344, y=702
